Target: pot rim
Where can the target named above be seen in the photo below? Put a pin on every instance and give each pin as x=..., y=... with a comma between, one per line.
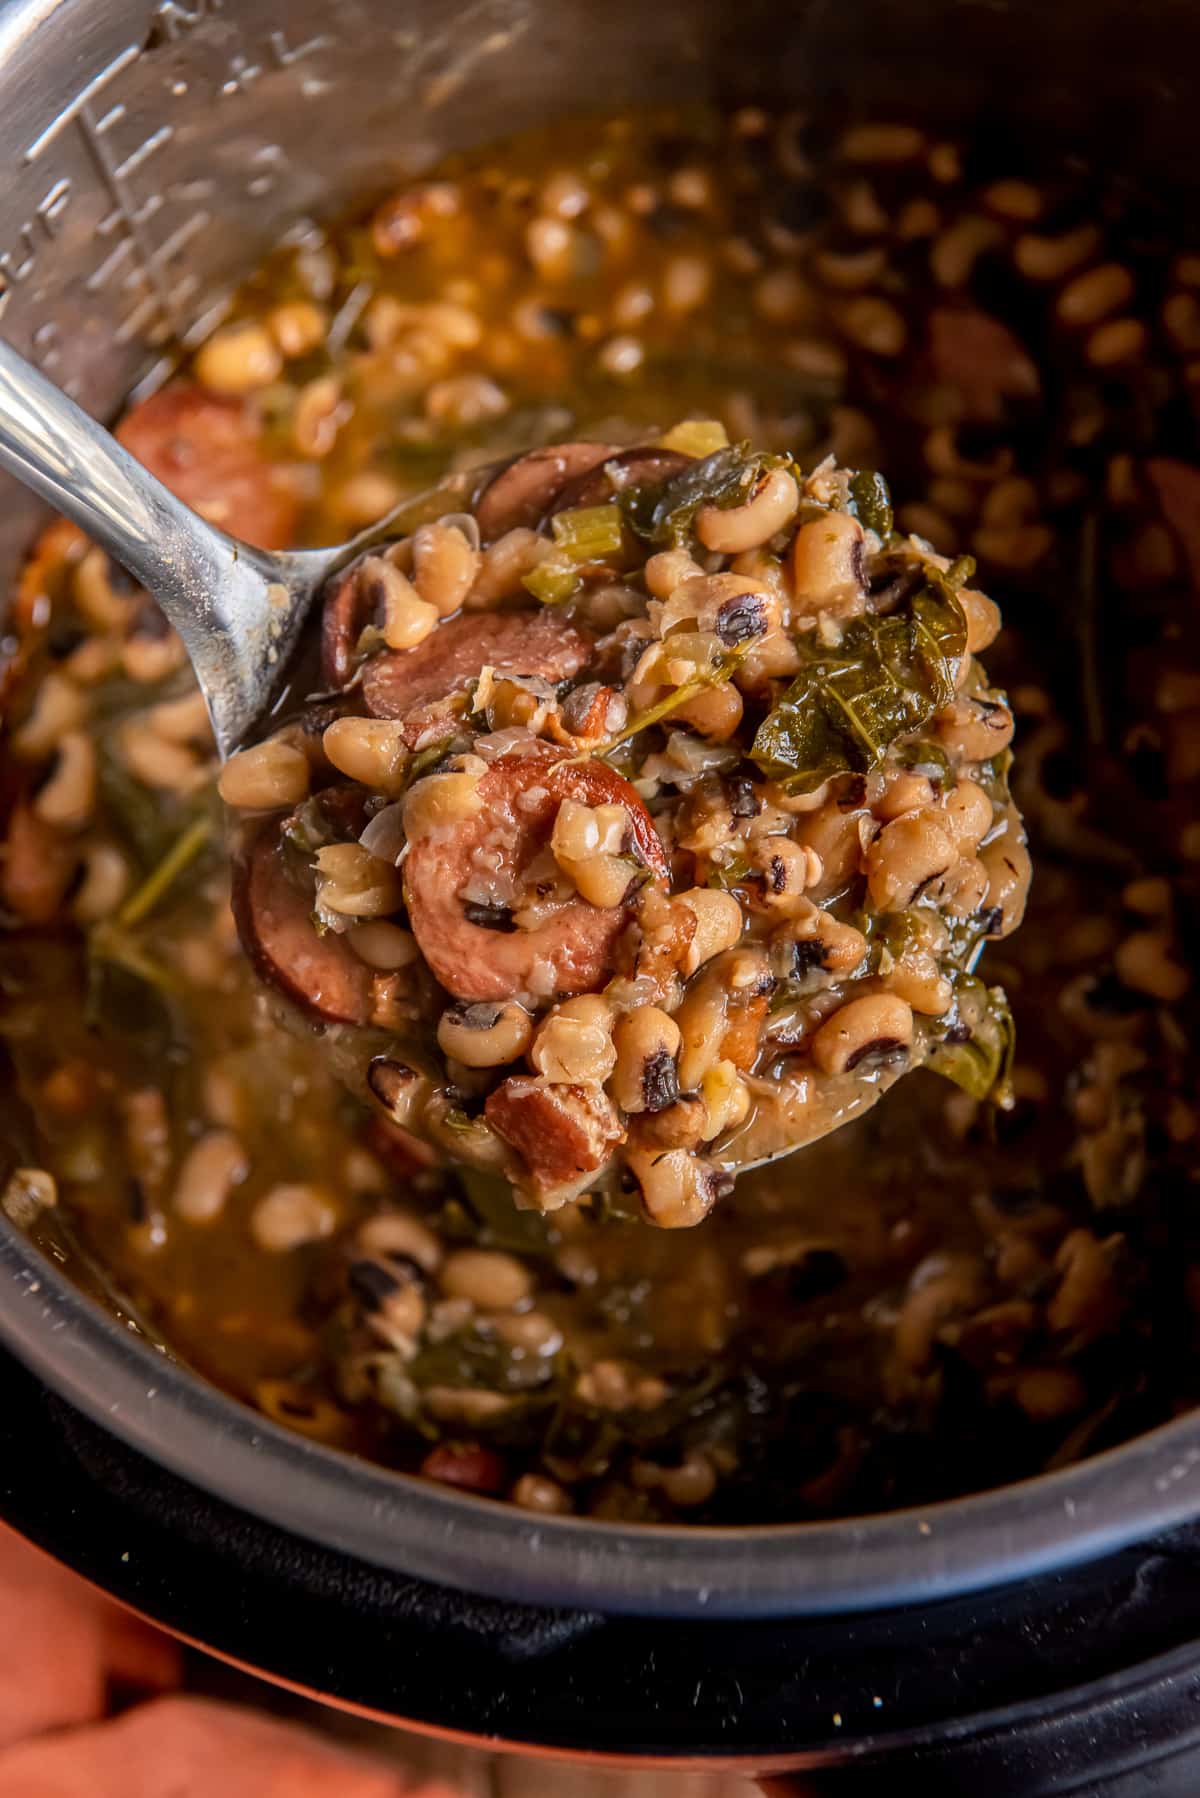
x=486, y=1547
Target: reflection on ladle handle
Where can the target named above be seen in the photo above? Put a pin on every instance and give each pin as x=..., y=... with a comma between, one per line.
x=212, y=589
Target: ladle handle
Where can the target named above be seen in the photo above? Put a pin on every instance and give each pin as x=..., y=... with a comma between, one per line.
x=212, y=589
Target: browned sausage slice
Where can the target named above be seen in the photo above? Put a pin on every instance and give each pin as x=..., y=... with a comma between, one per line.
x=637, y=467
x=405, y=683
x=571, y=950
x=524, y=492
x=210, y=453
x=274, y=919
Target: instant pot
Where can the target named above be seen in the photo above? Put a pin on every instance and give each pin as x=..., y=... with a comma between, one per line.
x=1040, y=1639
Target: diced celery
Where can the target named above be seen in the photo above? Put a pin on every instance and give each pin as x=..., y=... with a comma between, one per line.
x=553, y=581
x=696, y=437
x=588, y=533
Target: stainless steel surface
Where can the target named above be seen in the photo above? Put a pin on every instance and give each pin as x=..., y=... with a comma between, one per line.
x=152, y=150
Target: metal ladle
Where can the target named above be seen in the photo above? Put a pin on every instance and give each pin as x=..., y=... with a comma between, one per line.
x=238, y=610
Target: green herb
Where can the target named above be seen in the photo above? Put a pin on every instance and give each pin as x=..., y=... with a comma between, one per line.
x=721, y=670
x=729, y=874
x=662, y=511
x=112, y=944
x=847, y=706
x=872, y=501
x=589, y=533
x=982, y=1063
x=926, y=757
x=485, y=1213
x=159, y=882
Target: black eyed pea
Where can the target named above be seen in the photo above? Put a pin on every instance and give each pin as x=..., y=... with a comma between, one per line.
x=646, y=1042
x=535, y=1492
x=715, y=713
x=1009, y=871
x=828, y=563
x=669, y=569
x=238, y=359
x=401, y=1090
x=904, y=792
x=445, y=565
x=211, y=1169
x=291, y=1215
x=678, y=1188
x=484, y=1035
x=718, y=925
x=722, y=1014
x=1145, y=962
x=490, y=1279
x=725, y=1099
x=389, y=599
x=370, y=750
x=356, y=884
x=400, y=1234
x=734, y=607
x=983, y=620
x=383, y=945
x=963, y=888
x=816, y=939
x=683, y=1125
x=974, y=729
x=877, y=1024
x=69, y=796
x=905, y=856
x=267, y=777
x=919, y=981
x=966, y=813
x=574, y=1043
x=783, y=870
x=443, y=801
x=770, y=508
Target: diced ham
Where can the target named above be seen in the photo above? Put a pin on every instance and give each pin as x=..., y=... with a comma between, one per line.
x=414, y=684
x=210, y=453
x=981, y=359
x=274, y=919
x=562, y=1133
x=570, y=952
x=525, y=491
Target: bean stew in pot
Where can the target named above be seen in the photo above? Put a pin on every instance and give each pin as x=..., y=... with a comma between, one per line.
x=944, y=1294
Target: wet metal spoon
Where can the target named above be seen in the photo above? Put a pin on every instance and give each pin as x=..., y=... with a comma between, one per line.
x=239, y=611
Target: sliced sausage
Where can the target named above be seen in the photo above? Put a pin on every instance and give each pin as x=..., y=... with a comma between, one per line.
x=1177, y=489
x=638, y=467
x=274, y=919
x=562, y=1133
x=411, y=684
x=210, y=452
x=981, y=359
x=524, y=492
x=570, y=952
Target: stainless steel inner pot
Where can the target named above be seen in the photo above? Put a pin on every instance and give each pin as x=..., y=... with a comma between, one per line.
x=155, y=150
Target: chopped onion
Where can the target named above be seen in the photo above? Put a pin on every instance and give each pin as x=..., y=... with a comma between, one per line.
x=384, y=836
